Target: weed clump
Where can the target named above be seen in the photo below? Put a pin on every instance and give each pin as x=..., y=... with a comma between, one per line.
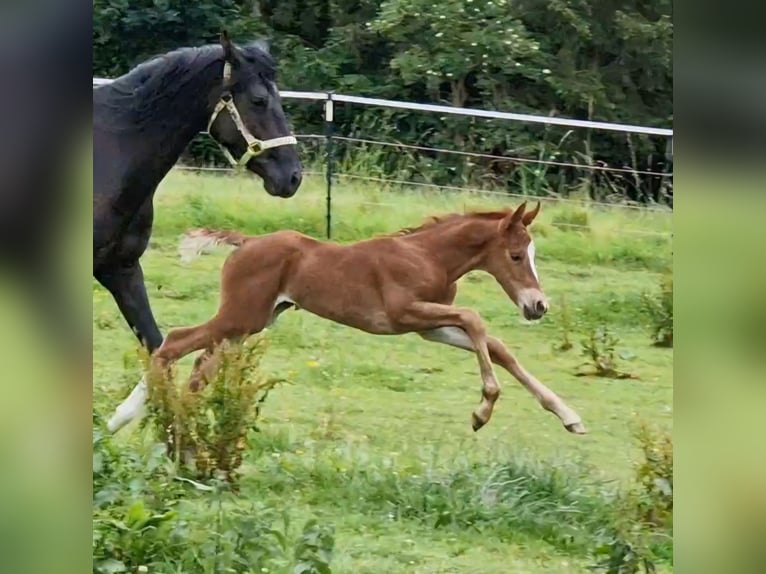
x=659, y=307
x=207, y=430
x=565, y=343
x=600, y=348
x=642, y=532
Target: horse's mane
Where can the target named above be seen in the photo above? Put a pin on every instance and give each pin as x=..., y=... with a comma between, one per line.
x=435, y=220
x=147, y=92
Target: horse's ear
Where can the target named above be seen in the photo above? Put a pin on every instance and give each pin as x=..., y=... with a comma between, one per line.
x=513, y=218
x=263, y=44
x=529, y=217
x=229, y=50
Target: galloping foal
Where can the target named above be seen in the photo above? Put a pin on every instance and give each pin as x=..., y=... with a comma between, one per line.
x=389, y=285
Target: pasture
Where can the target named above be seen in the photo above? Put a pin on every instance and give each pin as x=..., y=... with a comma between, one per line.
x=373, y=434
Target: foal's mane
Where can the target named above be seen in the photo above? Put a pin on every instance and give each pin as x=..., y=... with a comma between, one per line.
x=145, y=93
x=436, y=220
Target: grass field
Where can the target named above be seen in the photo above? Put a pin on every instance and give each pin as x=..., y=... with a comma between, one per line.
x=366, y=417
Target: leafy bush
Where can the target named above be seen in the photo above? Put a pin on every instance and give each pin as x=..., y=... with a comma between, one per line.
x=600, y=348
x=659, y=307
x=641, y=534
x=209, y=428
x=655, y=476
x=565, y=344
x=146, y=520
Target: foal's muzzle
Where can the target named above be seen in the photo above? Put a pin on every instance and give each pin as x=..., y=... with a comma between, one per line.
x=535, y=309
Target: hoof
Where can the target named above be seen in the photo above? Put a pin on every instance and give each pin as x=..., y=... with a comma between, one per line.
x=576, y=428
x=476, y=422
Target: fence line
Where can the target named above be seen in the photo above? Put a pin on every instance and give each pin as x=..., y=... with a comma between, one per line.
x=489, y=192
x=621, y=231
x=507, y=158
x=488, y=114
x=352, y=201
x=330, y=98
x=517, y=159
x=473, y=190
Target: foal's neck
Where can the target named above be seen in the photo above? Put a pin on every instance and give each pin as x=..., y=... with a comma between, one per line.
x=457, y=245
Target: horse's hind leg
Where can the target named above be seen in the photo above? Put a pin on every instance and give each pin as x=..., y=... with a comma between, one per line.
x=178, y=343
x=206, y=364
x=247, y=306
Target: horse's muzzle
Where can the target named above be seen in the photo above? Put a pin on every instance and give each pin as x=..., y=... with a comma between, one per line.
x=535, y=311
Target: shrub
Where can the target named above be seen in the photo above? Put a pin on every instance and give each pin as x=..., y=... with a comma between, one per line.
x=659, y=307
x=208, y=429
x=566, y=327
x=146, y=521
x=600, y=350
x=641, y=533
x=655, y=475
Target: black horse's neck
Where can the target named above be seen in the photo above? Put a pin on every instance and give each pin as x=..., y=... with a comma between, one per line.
x=186, y=113
x=155, y=111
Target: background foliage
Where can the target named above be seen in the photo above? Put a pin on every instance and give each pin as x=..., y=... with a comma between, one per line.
x=607, y=61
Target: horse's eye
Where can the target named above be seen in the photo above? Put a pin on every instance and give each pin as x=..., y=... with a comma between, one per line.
x=516, y=258
x=259, y=101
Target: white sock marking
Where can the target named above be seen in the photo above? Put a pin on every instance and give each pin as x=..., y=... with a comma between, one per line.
x=130, y=408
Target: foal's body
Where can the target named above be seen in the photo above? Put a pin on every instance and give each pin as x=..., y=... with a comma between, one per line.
x=387, y=275
x=391, y=285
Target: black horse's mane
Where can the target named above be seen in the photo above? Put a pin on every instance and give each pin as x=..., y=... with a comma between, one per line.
x=149, y=91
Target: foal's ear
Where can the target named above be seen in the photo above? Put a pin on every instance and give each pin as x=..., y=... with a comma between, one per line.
x=529, y=217
x=513, y=218
x=229, y=49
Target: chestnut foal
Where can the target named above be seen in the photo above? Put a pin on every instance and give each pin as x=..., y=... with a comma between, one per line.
x=389, y=285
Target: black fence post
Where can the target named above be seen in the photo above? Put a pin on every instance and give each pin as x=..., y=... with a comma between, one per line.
x=328, y=122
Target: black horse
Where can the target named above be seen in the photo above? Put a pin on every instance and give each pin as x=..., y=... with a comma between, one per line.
x=144, y=120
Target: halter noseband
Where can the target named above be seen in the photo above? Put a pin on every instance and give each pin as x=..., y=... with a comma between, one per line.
x=255, y=146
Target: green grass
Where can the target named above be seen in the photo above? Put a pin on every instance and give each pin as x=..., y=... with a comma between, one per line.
x=372, y=427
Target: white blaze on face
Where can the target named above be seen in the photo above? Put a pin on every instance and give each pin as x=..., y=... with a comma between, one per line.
x=531, y=255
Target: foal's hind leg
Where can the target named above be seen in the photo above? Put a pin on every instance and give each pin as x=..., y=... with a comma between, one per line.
x=177, y=344
x=206, y=364
x=550, y=401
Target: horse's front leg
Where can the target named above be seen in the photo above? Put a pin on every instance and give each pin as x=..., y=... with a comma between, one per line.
x=126, y=284
x=422, y=316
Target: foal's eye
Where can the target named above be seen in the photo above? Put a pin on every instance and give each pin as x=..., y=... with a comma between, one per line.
x=517, y=258
x=259, y=101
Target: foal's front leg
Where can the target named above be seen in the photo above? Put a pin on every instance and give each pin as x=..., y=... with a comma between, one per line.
x=500, y=355
x=423, y=316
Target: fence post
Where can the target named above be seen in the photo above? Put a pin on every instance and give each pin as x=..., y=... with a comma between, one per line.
x=328, y=122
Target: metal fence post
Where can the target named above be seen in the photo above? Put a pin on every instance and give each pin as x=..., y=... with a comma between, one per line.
x=328, y=122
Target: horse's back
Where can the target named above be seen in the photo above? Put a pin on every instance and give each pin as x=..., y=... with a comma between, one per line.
x=271, y=248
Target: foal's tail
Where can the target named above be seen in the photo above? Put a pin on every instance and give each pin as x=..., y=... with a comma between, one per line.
x=198, y=241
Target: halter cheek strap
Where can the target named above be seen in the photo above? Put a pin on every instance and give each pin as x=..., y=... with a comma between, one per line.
x=255, y=146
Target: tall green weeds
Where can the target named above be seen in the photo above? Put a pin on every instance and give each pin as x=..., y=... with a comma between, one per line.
x=659, y=308
x=145, y=520
x=209, y=428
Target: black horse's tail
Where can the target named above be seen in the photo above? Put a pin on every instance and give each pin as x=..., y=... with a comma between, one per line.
x=198, y=241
